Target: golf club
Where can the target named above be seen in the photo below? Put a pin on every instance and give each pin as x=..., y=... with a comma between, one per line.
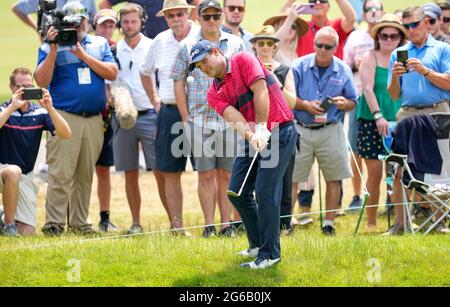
x=234, y=194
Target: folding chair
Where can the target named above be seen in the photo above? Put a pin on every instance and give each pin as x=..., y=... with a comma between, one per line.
x=433, y=188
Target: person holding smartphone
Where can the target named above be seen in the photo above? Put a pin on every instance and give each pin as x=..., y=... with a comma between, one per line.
x=423, y=85
x=20, y=122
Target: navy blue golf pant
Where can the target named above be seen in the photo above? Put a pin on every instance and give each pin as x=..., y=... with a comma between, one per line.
x=261, y=216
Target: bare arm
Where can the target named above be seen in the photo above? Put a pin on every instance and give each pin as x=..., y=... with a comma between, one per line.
x=25, y=18
x=286, y=5
x=261, y=100
x=349, y=15
x=394, y=88
x=283, y=31
x=105, y=70
x=104, y=4
x=289, y=90
x=367, y=74
x=238, y=122
x=440, y=80
x=181, y=98
x=62, y=128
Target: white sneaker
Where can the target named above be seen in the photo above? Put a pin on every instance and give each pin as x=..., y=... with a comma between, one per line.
x=306, y=220
x=260, y=263
x=249, y=252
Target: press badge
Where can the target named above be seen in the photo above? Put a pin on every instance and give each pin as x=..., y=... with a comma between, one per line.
x=84, y=75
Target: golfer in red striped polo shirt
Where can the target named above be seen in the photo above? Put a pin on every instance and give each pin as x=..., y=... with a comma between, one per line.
x=249, y=98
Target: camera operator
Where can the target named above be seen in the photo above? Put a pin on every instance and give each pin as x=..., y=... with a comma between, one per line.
x=75, y=77
x=21, y=126
x=23, y=9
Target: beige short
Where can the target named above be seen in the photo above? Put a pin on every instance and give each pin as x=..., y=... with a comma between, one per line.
x=28, y=190
x=328, y=145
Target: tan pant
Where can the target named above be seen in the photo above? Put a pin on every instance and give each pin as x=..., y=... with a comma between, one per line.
x=404, y=113
x=71, y=166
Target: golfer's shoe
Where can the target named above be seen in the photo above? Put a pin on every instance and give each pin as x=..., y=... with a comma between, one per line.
x=249, y=252
x=260, y=263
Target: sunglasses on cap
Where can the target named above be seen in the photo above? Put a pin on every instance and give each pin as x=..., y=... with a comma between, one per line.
x=327, y=47
x=263, y=43
x=233, y=8
x=385, y=37
x=172, y=16
x=321, y=1
x=412, y=25
x=208, y=17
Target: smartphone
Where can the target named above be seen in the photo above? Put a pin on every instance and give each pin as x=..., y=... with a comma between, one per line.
x=326, y=104
x=402, y=56
x=32, y=94
x=306, y=8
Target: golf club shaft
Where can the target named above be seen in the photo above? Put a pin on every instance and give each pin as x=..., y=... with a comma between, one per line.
x=248, y=173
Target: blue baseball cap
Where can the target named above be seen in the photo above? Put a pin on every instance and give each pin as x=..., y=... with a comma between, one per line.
x=432, y=10
x=199, y=51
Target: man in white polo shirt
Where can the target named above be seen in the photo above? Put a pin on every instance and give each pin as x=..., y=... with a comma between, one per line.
x=160, y=57
x=131, y=51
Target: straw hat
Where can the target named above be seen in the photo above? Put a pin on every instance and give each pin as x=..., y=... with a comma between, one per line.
x=265, y=32
x=174, y=4
x=388, y=20
x=302, y=26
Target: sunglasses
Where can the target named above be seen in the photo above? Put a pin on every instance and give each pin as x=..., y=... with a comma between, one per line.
x=372, y=8
x=233, y=8
x=172, y=16
x=432, y=21
x=263, y=43
x=412, y=25
x=321, y=1
x=446, y=19
x=208, y=17
x=385, y=37
x=327, y=47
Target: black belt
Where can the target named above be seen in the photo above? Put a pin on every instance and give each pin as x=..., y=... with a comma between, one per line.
x=170, y=105
x=84, y=114
x=143, y=112
x=425, y=106
x=315, y=127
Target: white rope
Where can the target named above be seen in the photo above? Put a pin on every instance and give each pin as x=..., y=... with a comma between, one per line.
x=82, y=241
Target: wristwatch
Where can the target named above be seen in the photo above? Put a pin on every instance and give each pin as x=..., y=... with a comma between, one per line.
x=377, y=115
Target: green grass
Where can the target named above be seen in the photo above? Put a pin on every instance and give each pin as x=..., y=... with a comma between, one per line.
x=308, y=259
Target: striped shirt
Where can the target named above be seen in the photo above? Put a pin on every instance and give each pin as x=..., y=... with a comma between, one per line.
x=20, y=136
x=243, y=71
x=200, y=113
x=160, y=57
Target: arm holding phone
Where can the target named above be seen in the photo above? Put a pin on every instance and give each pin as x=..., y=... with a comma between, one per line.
x=62, y=129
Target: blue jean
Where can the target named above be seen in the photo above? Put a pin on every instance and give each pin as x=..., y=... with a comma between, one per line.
x=261, y=216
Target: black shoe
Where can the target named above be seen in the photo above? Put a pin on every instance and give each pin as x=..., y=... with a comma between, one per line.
x=209, y=232
x=52, y=230
x=328, y=230
x=228, y=232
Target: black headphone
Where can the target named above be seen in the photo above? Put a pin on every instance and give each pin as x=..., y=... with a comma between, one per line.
x=140, y=11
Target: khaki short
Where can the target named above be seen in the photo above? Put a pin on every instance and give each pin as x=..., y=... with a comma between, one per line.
x=407, y=112
x=28, y=190
x=329, y=146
